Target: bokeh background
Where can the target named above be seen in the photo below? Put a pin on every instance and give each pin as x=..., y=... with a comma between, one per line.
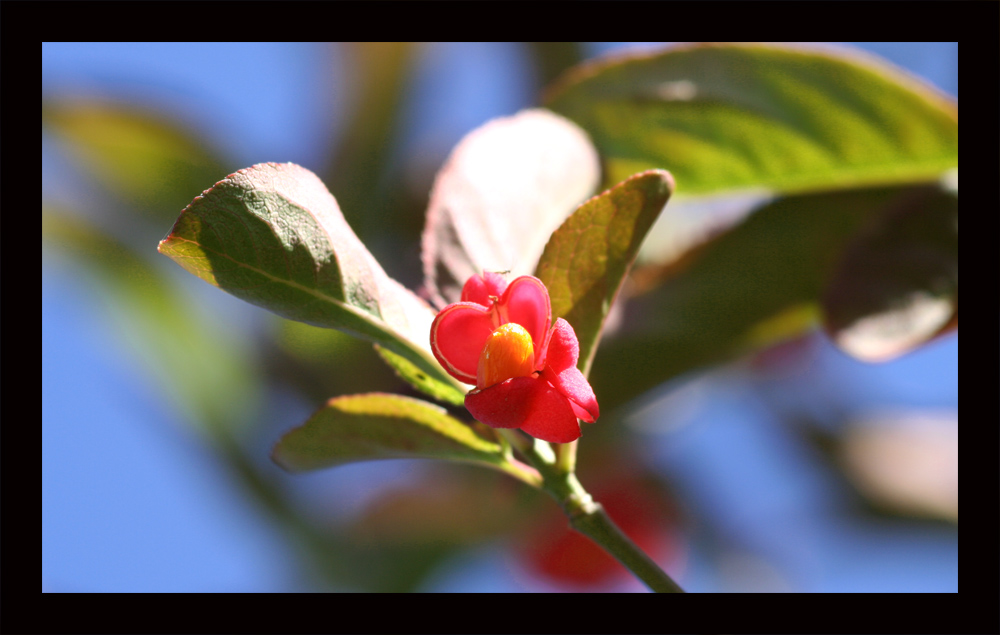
x=796, y=469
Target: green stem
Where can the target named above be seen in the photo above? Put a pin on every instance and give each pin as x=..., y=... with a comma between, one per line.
x=589, y=518
x=597, y=526
x=520, y=471
x=516, y=439
x=566, y=456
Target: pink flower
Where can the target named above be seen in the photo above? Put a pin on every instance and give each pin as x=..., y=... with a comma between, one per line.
x=500, y=337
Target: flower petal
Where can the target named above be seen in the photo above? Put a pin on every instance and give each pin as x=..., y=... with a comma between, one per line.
x=526, y=302
x=576, y=389
x=551, y=418
x=458, y=335
x=561, y=371
x=479, y=288
x=563, y=347
x=503, y=405
x=528, y=403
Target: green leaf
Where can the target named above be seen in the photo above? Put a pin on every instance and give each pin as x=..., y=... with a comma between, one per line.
x=757, y=283
x=420, y=380
x=273, y=235
x=896, y=285
x=587, y=258
x=149, y=160
x=731, y=116
x=505, y=188
x=380, y=426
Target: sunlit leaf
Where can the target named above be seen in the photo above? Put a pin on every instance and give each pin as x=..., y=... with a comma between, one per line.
x=732, y=116
x=505, y=188
x=380, y=426
x=274, y=236
x=587, y=258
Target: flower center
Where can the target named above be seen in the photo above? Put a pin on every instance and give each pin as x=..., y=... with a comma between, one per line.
x=508, y=353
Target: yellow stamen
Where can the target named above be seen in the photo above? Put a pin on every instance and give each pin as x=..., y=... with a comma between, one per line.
x=508, y=353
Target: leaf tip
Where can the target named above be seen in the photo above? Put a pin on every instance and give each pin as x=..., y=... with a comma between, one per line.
x=665, y=178
x=669, y=180
x=279, y=456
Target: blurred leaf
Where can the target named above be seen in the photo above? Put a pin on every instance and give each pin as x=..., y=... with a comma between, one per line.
x=904, y=462
x=316, y=345
x=763, y=277
x=445, y=505
x=274, y=236
x=505, y=188
x=205, y=370
x=896, y=286
x=587, y=258
x=380, y=426
x=552, y=59
x=420, y=380
x=320, y=362
x=375, y=89
x=727, y=116
x=144, y=157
